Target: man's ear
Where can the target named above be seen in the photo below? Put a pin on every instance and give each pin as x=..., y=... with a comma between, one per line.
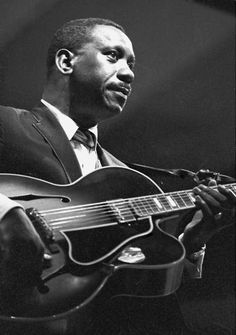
x=63, y=60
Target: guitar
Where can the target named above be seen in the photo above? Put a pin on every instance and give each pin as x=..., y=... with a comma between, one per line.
x=100, y=227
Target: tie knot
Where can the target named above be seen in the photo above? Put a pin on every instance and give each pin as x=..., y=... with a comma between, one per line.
x=85, y=137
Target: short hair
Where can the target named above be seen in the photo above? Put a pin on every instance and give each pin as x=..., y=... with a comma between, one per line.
x=73, y=35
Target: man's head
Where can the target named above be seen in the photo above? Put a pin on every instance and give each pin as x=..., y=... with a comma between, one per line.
x=73, y=35
x=95, y=58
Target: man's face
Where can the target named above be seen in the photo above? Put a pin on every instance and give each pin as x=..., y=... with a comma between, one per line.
x=102, y=74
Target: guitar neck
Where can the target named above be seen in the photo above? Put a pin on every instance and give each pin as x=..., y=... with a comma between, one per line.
x=166, y=203
x=125, y=210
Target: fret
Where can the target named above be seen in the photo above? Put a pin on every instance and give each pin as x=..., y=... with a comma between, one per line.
x=172, y=201
x=163, y=200
x=179, y=200
x=185, y=201
x=151, y=208
x=143, y=208
x=155, y=205
x=158, y=204
x=191, y=197
x=140, y=208
x=148, y=208
x=188, y=199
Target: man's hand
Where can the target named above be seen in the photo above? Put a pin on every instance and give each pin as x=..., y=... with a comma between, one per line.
x=217, y=210
x=21, y=253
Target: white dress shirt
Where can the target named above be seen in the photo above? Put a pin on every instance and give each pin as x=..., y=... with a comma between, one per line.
x=87, y=158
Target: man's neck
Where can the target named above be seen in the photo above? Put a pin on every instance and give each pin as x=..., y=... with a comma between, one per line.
x=66, y=122
x=80, y=114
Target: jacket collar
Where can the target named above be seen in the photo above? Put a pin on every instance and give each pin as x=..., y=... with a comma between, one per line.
x=50, y=129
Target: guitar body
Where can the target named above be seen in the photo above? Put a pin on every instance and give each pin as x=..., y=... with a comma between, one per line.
x=88, y=259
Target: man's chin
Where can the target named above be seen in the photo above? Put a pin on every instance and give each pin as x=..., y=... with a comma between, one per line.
x=113, y=110
x=116, y=110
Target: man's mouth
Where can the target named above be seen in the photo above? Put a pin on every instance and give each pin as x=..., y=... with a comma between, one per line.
x=125, y=90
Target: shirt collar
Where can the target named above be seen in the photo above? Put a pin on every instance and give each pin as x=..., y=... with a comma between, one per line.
x=68, y=125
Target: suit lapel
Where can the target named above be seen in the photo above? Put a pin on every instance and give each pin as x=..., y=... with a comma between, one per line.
x=50, y=129
x=108, y=159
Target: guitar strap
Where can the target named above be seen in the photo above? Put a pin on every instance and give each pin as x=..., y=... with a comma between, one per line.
x=201, y=176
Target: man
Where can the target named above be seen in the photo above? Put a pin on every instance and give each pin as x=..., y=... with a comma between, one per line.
x=90, y=72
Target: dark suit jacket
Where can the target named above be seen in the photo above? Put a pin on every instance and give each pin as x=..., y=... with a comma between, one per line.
x=33, y=143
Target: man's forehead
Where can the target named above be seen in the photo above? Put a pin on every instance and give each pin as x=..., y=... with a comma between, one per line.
x=104, y=34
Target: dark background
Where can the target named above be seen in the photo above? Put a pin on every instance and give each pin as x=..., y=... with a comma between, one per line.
x=182, y=110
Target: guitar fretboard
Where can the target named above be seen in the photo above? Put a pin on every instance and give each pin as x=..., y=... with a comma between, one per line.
x=157, y=204
x=121, y=210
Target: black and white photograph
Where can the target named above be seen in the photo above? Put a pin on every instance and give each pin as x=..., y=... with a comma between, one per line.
x=117, y=167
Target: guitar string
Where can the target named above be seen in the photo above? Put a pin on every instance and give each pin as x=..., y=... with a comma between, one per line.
x=117, y=208
x=90, y=217
x=104, y=204
x=103, y=215
x=99, y=224
x=126, y=215
x=84, y=217
x=105, y=210
x=116, y=212
x=161, y=196
x=99, y=215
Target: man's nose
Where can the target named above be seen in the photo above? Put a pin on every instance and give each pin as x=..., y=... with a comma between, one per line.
x=125, y=73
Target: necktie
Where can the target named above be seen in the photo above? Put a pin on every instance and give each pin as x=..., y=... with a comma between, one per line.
x=85, y=137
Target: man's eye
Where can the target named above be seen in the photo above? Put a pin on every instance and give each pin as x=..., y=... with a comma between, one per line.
x=113, y=55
